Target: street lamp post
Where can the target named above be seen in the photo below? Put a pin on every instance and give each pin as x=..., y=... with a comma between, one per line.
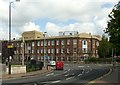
x=10, y=44
x=44, y=49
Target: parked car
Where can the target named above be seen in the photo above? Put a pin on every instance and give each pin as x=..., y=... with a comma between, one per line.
x=59, y=65
x=51, y=63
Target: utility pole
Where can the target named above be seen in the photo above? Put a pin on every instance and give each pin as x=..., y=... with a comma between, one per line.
x=23, y=53
x=44, y=50
x=10, y=46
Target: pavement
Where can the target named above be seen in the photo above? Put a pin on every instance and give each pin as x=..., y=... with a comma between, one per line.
x=14, y=76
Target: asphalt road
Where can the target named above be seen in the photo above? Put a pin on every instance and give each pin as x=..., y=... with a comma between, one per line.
x=72, y=74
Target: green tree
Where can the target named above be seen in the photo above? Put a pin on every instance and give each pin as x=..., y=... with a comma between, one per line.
x=113, y=27
x=104, y=48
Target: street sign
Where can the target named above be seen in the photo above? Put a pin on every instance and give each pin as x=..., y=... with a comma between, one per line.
x=9, y=46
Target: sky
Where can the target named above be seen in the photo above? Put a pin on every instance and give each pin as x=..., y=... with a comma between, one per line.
x=54, y=16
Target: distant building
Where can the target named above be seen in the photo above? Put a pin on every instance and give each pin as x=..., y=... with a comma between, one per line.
x=31, y=35
x=67, y=47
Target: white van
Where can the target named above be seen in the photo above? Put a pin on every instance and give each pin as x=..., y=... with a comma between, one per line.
x=52, y=63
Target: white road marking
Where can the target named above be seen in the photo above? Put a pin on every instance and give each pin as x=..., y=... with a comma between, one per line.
x=56, y=81
x=67, y=75
x=52, y=81
x=65, y=71
x=87, y=72
x=88, y=66
x=73, y=73
x=50, y=74
x=68, y=69
x=69, y=78
x=79, y=74
x=82, y=71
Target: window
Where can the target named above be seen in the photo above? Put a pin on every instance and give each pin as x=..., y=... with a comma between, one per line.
x=68, y=42
x=32, y=51
x=21, y=51
x=75, y=41
x=69, y=58
x=63, y=58
x=48, y=43
x=21, y=44
x=17, y=44
x=57, y=50
x=29, y=51
x=41, y=43
x=53, y=43
x=68, y=50
x=75, y=50
x=57, y=42
x=33, y=44
x=38, y=43
x=48, y=50
x=62, y=50
x=41, y=50
x=38, y=51
x=84, y=50
x=84, y=44
x=52, y=50
x=62, y=42
x=97, y=43
x=45, y=43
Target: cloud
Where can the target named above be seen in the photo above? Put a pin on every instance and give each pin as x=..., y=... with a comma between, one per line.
x=90, y=15
x=28, y=27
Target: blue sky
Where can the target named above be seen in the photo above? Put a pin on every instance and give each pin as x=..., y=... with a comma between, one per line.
x=53, y=16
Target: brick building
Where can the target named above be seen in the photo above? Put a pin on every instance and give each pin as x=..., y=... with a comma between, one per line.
x=69, y=46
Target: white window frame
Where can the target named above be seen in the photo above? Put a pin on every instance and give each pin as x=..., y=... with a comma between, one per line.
x=62, y=42
x=68, y=50
x=48, y=43
x=33, y=43
x=57, y=42
x=38, y=43
x=53, y=42
x=38, y=51
x=48, y=50
x=41, y=51
x=41, y=43
x=52, y=50
x=68, y=42
x=74, y=41
x=57, y=50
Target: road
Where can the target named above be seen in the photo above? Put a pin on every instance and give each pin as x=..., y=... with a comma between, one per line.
x=72, y=73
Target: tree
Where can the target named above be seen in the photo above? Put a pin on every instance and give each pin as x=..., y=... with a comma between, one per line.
x=104, y=48
x=113, y=27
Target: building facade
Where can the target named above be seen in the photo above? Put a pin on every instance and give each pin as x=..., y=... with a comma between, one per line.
x=67, y=47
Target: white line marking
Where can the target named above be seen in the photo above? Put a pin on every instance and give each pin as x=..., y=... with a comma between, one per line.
x=82, y=71
x=56, y=81
x=50, y=74
x=67, y=75
x=65, y=71
x=69, y=78
x=87, y=72
x=52, y=81
x=79, y=74
x=68, y=69
x=73, y=73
